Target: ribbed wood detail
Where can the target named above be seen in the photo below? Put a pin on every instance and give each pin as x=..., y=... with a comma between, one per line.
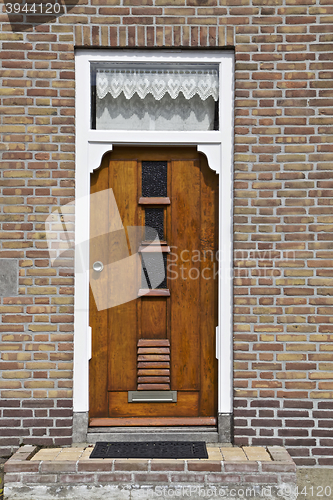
x=157, y=292
x=153, y=343
x=153, y=365
x=151, y=248
x=154, y=201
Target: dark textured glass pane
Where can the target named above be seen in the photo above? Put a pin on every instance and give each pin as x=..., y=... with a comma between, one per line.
x=154, y=270
x=216, y=116
x=154, y=222
x=93, y=98
x=154, y=178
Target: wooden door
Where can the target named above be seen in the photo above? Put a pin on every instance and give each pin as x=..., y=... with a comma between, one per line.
x=164, y=339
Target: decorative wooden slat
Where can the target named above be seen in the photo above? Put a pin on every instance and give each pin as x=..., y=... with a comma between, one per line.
x=153, y=242
x=153, y=357
x=154, y=380
x=153, y=387
x=153, y=343
x=153, y=367
x=154, y=373
x=158, y=200
x=154, y=248
x=157, y=292
x=154, y=364
x=153, y=350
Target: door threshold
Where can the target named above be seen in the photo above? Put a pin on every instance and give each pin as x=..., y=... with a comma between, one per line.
x=208, y=434
x=154, y=421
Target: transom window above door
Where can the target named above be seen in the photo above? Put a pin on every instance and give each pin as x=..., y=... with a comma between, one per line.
x=154, y=97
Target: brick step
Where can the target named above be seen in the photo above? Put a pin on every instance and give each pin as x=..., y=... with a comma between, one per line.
x=260, y=472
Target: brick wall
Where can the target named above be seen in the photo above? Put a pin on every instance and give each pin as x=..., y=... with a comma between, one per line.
x=283, y=221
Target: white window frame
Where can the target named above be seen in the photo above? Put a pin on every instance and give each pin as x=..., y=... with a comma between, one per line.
x=91, y=145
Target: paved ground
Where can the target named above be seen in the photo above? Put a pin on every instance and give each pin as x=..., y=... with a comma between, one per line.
x=215, y=452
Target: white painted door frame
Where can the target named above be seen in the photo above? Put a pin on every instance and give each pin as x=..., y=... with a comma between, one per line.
x=91, y=145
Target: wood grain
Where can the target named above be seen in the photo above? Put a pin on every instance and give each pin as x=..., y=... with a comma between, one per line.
x=154, y=248
x=153, y=387
x=208, y=288
x=153, y=342
x=98, y=320
x=184, y=314
x=153, y=357
x=185, y=292
x=153, y=320
x=153, y=372
x=153, y=380
x=187, y=406
x=153, y=350
x=157, y=350
x=153, y=421
x=153, y=364
x=122, y=327
x=158, y=200
x=161, y=292
x=153, y=153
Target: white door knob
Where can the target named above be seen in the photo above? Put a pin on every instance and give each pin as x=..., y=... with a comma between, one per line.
x=98, y=266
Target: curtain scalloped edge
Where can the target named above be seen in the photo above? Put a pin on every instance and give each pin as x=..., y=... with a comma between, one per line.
x=203, y=83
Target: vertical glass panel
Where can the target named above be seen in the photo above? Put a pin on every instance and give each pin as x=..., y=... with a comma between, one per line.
x=154, y=267
x=154, y=178
x=154, y=222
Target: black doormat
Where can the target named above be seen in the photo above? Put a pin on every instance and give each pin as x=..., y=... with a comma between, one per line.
x=159, y=449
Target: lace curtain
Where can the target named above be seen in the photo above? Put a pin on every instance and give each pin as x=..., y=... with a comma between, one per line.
x=156, y=99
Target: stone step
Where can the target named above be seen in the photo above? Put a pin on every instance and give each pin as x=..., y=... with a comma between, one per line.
x=137, y=434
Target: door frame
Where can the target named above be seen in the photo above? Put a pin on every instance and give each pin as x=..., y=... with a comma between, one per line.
x=92, y=145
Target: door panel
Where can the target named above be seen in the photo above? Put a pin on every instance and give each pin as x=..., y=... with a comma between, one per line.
x=186, y=406
x=185, y=292
x=208, y=289
x=122, y=348
x=98, y=365
x=153, y=318
x=122, y=319
x=187, y=318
